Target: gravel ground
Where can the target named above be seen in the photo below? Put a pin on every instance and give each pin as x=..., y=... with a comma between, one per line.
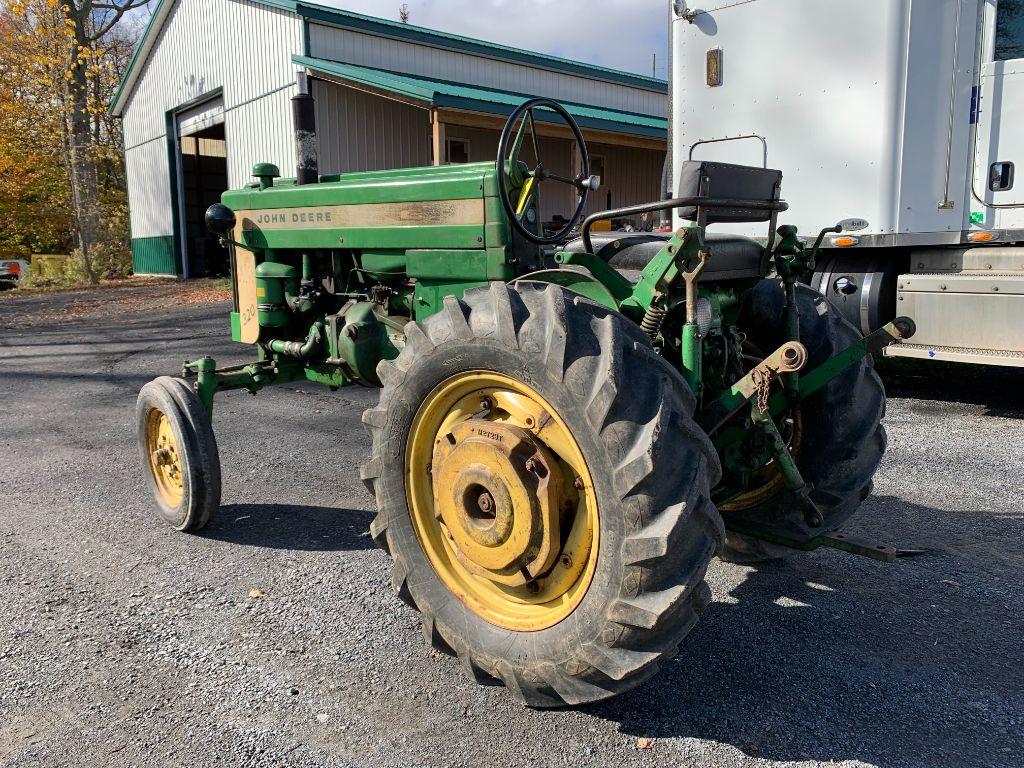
x=274, y=639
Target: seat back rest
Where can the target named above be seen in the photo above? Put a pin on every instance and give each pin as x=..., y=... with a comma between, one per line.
x=701, y=178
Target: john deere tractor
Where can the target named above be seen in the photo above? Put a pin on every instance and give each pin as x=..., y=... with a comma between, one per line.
x=570, y=426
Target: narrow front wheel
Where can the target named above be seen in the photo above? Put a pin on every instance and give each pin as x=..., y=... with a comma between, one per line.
x=179, y=453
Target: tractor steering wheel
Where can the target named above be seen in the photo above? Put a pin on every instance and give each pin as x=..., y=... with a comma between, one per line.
x=511, y=170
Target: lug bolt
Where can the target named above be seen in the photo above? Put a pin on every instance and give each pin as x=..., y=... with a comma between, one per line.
x=486, y=403
x=566, y=561
x=485, y=501
x=530, y=465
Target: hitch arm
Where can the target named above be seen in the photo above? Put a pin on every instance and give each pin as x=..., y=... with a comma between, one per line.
x=899, y=329
x=789, y=358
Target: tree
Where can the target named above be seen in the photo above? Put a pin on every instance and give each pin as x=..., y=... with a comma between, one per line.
x=403, y=13
x=34, y=200
x=72, y=53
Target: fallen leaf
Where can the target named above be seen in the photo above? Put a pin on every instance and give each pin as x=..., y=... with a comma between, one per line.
x=645, y=743
x=254, y=593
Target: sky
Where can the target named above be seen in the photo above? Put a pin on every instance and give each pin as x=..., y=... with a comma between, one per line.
x=622, y=34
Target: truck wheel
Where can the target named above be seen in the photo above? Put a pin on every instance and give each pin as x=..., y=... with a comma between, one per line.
x=544, y=492
x=837, y=437
x=179, y=453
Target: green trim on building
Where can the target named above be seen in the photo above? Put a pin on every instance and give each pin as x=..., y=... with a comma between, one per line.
x=441, y=93
x=154, y=256
x=172, y=174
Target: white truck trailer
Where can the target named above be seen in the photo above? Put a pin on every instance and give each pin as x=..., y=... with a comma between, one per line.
x=905, y=113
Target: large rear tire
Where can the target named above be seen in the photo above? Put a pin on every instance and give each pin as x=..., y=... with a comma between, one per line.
x=620, y=424
x=841, y=436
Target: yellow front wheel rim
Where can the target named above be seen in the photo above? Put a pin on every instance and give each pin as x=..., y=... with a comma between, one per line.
x=502, y=501
x=164, y=458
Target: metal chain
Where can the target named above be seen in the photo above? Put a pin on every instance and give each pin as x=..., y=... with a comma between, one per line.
x=763, y=386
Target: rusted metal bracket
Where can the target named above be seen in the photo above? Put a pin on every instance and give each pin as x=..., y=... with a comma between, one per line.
x=789, y=358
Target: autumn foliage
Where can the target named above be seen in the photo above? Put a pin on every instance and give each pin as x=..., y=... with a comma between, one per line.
x=62, y=185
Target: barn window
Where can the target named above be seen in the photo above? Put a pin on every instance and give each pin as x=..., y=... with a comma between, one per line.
x=458, y=151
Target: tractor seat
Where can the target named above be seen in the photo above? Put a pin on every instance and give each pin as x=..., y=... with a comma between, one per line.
x=732, y=257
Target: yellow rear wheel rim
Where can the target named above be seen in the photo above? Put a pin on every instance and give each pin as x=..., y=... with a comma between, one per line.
x=164, y=458
x=502, y=501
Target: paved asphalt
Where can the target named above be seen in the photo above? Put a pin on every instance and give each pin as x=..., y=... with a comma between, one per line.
x=124, y=643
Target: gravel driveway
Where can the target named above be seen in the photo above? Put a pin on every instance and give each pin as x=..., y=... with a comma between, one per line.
x=274, y=639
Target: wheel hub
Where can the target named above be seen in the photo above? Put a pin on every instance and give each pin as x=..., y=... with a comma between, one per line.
x=496, y=492
x=502, y=500
x=165, y=462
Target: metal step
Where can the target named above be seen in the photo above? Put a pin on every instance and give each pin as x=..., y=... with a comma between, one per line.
x=956, y=354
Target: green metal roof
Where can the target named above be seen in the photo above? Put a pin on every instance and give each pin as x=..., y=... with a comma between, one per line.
x=348, y=20
x=442, y=93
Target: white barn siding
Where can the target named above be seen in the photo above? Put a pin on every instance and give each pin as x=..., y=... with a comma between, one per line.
x=149, y=189
x=243, y=48
x=350, y=47
x=361, y=132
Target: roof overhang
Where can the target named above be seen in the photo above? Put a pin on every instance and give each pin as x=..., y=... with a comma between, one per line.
x=441, y=94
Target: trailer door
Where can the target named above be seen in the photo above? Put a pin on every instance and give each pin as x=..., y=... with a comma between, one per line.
x=998, y=183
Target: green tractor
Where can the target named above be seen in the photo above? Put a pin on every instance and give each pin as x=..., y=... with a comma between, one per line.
x=558, y=450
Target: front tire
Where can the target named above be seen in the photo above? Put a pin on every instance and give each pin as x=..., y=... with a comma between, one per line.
x=179, y=453
x=630, y=461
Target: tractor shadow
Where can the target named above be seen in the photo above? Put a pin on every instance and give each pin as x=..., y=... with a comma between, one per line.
x=293, y=527
x=831, y=658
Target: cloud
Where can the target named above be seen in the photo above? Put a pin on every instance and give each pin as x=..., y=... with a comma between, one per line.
x=622, y=34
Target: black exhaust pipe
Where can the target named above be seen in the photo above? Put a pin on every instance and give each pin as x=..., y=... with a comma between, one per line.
x=304, y=120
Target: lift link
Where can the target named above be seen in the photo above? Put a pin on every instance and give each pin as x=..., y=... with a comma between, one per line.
x=788, y=469
x=789, y=358
x=899, y=329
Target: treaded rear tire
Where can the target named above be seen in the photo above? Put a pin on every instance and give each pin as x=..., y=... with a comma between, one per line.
x=631, y=415
x=843, y=438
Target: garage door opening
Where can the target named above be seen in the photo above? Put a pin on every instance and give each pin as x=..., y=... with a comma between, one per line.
x=203, y=177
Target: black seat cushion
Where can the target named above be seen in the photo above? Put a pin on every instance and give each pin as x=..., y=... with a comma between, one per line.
x=728, y=181
x=732, y=257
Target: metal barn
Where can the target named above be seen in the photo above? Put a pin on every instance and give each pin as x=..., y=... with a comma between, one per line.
x=206, y=96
